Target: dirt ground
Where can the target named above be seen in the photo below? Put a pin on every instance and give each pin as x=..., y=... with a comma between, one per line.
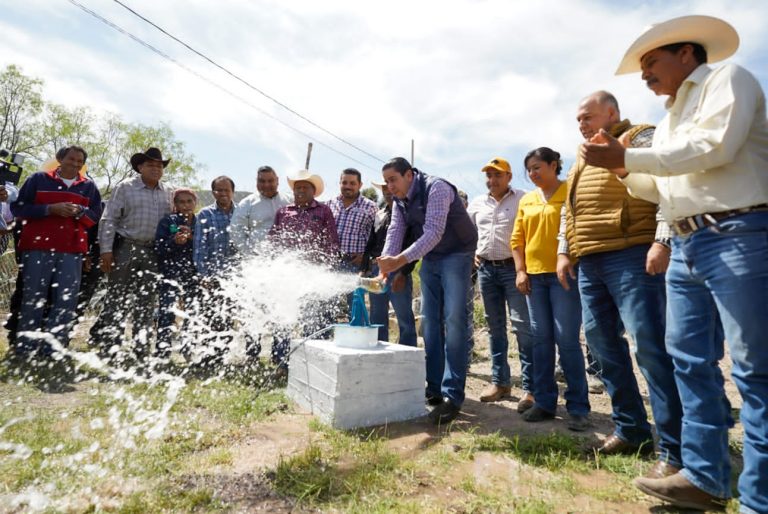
x=288, y=434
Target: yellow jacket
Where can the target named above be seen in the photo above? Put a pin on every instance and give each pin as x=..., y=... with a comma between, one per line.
x=601, y=216
x=536, y=226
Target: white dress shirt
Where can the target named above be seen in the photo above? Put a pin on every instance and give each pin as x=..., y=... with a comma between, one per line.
x=494, y=221
x=253, y=218
x=710, y=152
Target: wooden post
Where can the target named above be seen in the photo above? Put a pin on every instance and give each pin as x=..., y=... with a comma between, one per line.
x=309, y=154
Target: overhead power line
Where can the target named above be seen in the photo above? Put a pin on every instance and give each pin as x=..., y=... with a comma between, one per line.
x=211, y=82
x=242, y=80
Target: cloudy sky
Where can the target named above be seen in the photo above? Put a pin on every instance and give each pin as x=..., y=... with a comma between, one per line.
x=467, y=80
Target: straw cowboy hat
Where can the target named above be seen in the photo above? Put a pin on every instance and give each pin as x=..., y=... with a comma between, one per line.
x=152, y=154
x=378, y=185
x=306, y=176
x=718, y=38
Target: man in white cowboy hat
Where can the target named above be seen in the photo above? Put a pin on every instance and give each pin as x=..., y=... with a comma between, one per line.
x=126, y=237
x=400, y=294
x=255, y=213
x=708, y=170
x=307, y=226
x=494, y=216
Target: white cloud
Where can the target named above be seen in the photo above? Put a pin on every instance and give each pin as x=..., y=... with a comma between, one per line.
x=467, y=80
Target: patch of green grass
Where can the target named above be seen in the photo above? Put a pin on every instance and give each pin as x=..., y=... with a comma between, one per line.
x=554, y=451
x=232, y=402
x=478, y=315
x=626, y=467
x=343, y=470
x=60, y=435
x=176, y=500
x=484, y=502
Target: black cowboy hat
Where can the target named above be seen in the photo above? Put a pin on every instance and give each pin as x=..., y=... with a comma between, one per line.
x=152, y=154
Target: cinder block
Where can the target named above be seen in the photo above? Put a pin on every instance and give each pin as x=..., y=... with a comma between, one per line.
x=350, y=388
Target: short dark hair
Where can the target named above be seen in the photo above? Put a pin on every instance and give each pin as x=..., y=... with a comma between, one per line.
x=545, y=154
x=222, y=177
x=699, y=52
x=62, y=153
x=604, y=97
x=265, y=169
x=353, y=171
x=400, y=164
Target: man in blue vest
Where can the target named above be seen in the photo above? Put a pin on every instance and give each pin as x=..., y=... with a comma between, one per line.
x=445, y=237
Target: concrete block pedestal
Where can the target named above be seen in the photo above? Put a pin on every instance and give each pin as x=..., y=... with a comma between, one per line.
x=349, y=388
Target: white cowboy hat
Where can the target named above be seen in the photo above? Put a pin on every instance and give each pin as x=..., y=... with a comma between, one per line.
x=306, y=176
x=378, y=185
x=718, y=38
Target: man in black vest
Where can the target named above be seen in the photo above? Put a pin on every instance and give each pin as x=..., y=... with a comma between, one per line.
x=445, y=238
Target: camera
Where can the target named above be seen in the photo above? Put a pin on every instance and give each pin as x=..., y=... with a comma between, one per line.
x=10, y=167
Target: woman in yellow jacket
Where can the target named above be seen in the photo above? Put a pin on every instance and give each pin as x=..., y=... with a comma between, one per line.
x=555, y=313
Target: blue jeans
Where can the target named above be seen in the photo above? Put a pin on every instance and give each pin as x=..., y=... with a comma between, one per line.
x=556, y=320
x=48, y=276
x=723, y=273
x=444, y=285
x=617, y=293
x=402, y=303
x=497, y=286
x=170, y=291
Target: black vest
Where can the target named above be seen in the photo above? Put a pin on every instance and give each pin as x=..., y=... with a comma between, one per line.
x=460, y=233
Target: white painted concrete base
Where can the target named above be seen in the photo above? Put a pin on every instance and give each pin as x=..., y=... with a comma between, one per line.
x=349, y=388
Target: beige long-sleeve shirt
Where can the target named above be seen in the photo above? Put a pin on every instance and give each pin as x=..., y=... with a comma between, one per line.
x=710, y=152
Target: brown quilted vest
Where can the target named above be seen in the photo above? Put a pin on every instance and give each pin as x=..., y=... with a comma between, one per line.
x=601, y=216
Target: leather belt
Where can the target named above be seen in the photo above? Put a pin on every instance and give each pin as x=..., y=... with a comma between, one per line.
x=503, y=262
x=136, y=242
x=689, y=225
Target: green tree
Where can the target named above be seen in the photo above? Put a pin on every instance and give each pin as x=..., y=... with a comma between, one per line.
x=371, y=193
x=30, y=126
x=60, y=127
x=21, y=103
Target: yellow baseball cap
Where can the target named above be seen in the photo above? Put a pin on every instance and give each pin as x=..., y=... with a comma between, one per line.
x=497, y=164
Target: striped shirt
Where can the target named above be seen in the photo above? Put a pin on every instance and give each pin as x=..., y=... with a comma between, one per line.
x=353, y=223
x=438, y=204
x=494, y=221
x=213, y=250
x=253, y=218
x=133, y=211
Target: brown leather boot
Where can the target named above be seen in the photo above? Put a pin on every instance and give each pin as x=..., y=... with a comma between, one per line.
x=661, y=469
x=677, y=490
x=495, y=392
x=525, y=403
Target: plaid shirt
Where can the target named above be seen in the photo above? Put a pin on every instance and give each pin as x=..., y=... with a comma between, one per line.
x=353, y=223
x=133, y=211
x=213, y=249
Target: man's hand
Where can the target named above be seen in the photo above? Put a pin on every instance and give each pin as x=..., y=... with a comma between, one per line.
x=87, y=265
x=390, y=264
x=398, y=283
x=605, y=151
x=657, y=260
x=356, y=258
x=565, y=270
x=478, y=261
x=3, y=194
x=64, y=209
x=523, y=283
x=107, y=262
